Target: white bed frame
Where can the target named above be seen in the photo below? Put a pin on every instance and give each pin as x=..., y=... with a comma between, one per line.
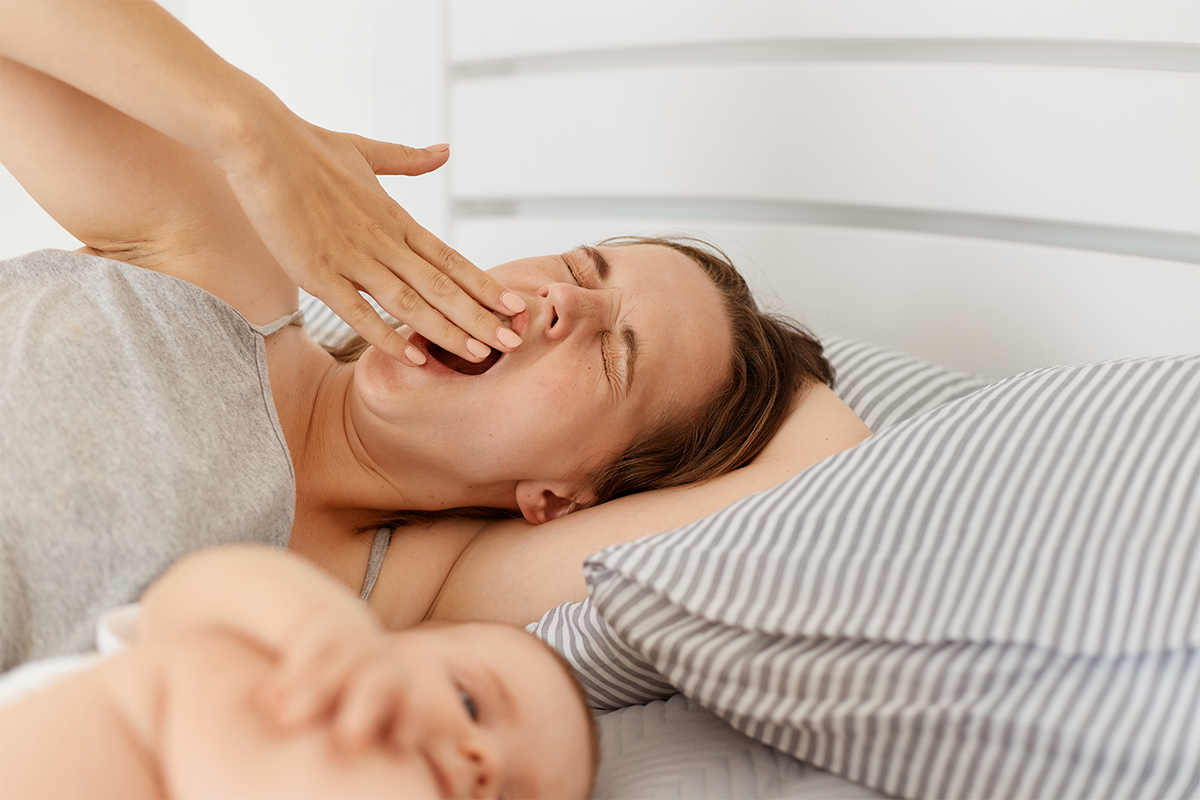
x=994, y=186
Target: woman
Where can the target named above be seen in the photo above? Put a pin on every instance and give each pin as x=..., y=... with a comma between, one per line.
x=155, y=416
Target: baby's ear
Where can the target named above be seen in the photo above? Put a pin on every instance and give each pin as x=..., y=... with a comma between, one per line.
x=542, y=501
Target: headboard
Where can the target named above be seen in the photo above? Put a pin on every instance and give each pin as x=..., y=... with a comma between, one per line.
x=994, y=186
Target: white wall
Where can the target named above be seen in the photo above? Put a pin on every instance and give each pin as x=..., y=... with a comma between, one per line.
x=371, y=67
x=996, y=186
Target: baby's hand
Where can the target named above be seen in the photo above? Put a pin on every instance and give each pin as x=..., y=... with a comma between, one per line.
x=316, y=669
x=371, y=704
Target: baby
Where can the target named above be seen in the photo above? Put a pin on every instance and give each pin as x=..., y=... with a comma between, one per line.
x=254, y=674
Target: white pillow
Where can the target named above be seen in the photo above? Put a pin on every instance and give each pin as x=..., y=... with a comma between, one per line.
x=1000, y=597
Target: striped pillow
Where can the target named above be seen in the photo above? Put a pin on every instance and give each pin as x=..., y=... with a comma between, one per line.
x=1000, y=597
x=883, y=386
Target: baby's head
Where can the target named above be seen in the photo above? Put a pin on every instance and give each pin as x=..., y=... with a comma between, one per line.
x=492, y=711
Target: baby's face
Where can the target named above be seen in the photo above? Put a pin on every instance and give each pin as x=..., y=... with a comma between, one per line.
x=489, y=712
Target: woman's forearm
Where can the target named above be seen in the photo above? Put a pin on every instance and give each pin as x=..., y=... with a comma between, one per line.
x=136, y=57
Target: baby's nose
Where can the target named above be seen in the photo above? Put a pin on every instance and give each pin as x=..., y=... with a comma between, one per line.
x=482, y=767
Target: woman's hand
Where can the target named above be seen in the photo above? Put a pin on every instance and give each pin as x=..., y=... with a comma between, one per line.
x=313, y=198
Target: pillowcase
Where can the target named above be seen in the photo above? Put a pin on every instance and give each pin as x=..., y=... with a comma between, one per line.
x=881, y=385
x=1000, y=597
x=673, y=748
x=885, y=386
x=324, y=326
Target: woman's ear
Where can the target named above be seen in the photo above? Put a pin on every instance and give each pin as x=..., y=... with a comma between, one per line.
x=542, y=501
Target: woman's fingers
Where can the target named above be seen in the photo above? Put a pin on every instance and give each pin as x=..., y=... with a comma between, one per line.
x=474, y=281
x=434, y=305
x=347, y=303
x=387, y=158
x=313, y=197
x=431, y=287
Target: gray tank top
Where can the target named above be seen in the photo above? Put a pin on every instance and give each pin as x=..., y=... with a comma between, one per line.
x=136, y=426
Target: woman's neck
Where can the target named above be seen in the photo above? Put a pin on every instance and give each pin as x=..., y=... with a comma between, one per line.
x=345, y=469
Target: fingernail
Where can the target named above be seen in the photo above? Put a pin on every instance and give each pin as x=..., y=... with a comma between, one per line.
x=478, y=348
x=414, y=355
x=512, y=302
x=508, y=337
x=438, y=148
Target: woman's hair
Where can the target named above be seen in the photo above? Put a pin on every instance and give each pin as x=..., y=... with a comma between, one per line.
x=773, y=359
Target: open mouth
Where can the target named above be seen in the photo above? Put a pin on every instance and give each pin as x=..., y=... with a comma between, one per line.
x=460, y=364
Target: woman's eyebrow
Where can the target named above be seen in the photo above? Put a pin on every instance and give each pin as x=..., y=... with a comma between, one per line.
x=599, y=262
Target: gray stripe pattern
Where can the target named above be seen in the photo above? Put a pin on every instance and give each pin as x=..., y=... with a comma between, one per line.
x=612, y=673
x=885, y=386
x=998, y=598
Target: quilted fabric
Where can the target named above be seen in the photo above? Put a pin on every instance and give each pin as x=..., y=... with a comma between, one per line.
x=674, y=748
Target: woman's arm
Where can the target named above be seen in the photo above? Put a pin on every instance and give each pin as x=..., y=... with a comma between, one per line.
x=310, y=194
x=515, y=572
x=132, y=194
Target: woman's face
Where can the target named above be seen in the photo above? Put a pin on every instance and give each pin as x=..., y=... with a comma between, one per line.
x=487, y=711
x=614, y=340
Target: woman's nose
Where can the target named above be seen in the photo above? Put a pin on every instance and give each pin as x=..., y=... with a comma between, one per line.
x=569, y=308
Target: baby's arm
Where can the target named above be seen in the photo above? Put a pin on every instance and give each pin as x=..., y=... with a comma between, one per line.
x=263, y=594
x=326, y=647
x=90, y=735
x=176, y=713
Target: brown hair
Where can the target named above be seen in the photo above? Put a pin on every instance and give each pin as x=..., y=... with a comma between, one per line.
x=773, y=358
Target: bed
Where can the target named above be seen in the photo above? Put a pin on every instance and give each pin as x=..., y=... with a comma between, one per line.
x=966, y=201
x=951, y=194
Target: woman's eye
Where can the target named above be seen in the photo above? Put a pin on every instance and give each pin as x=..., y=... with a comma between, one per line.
x=469, y=703
x=607, y=356
x=574, y=274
